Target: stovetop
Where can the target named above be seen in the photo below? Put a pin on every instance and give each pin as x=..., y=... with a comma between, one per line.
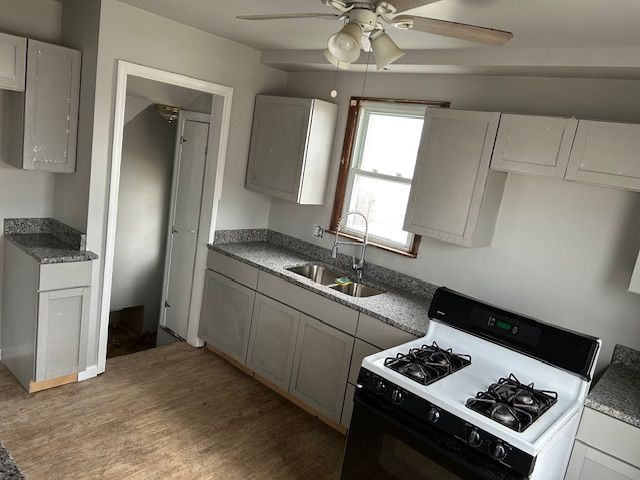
x=427, y=363
x=563, y=392
x=512, y=403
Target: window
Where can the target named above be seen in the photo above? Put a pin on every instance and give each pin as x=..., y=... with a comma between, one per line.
x=379, y=156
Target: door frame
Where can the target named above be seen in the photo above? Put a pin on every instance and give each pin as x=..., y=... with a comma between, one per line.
x=220, y=120
x=183, y=117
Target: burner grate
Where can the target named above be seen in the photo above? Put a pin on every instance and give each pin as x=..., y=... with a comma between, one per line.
x=428, y=363
x=512, y=403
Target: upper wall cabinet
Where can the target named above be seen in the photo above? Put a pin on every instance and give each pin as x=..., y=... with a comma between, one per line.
x=606, y=153
x=13, y=61
x=534, y=145
x=291, y=145
x=454, y=197
x=43, y=121
x=634, y=286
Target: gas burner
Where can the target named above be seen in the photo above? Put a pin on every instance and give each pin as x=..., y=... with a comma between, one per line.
x=427, y=364
x=513, y=404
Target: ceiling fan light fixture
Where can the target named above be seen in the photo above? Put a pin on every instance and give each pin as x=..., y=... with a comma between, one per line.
x=334, y=61
x=385, y=51
x=345, y=45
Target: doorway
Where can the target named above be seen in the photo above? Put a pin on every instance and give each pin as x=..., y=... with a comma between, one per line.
x=164, y=147
x=166, y=196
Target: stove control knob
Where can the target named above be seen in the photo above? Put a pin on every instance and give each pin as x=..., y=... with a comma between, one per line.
x=397, y=397
x=434, y=415
x=498, y=451
x=380, y=387
x=473, y=438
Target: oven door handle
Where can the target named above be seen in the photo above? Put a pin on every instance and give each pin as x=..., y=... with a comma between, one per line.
x=434, y=440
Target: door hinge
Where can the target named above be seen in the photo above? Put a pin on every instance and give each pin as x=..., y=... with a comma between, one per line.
x=183, y=140
x=166, y=305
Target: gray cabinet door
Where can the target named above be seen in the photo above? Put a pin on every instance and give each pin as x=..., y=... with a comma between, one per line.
x=61, y=317
x=634, y=286
x=13, y=60
x=51, y=108
x=278, y=145
x=534, y=145
x=451, y=186
x=272, y=342
x=225, y=319
x=321, y=366
x=591, y=464
x=606, y=153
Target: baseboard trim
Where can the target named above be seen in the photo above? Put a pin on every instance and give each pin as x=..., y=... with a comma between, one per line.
x=89, y=372
x=54, y=382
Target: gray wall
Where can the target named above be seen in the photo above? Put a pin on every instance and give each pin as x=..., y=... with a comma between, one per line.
x=25, y=194
x=143, y=214
x=563, y=252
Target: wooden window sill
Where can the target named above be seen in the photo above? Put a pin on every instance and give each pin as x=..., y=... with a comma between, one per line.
x=386, y=248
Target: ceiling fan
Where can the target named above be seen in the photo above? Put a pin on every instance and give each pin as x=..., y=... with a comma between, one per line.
x=364, y=21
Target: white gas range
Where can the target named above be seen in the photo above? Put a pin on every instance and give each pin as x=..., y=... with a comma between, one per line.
x=486, y=394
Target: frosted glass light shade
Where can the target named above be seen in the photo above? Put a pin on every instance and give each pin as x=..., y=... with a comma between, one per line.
x=385, y=51
x=345, y=45
x=329, y=56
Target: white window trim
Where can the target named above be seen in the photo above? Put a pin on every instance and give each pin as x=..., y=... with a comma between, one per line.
x=366, y=108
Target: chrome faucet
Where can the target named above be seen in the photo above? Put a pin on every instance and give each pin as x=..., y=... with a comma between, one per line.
x=359, y=265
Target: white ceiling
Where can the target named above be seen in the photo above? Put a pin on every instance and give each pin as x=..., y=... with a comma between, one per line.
x=535, y=23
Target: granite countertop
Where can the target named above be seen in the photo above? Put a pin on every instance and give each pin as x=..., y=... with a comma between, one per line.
x=47, y=240
x=617, y=394
x=8, y=468
x=405, y=311
x=47, y=248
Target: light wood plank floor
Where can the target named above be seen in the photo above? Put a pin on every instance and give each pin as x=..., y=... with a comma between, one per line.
x=167, y=413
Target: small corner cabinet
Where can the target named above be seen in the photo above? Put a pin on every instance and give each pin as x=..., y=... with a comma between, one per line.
x=13, y=61
x=291, y=147
x=45, y=311
x=42, y=121
x=534, y=145
x=454, y=196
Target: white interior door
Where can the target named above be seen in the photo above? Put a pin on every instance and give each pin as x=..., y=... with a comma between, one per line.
x=191, y=152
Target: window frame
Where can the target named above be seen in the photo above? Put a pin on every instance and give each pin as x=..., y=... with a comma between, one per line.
x=345, y=179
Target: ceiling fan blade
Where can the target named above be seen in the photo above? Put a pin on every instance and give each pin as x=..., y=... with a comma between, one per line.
x=286, y=16
x=463, y=31
x=404, y=5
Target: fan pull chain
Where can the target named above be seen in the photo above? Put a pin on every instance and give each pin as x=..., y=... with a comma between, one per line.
x=366, y=70
x=334, y=92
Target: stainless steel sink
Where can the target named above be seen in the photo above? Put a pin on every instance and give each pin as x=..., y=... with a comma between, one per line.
x=317, y=273
x=356, y=290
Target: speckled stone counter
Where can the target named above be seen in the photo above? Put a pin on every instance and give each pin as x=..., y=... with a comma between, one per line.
x=617, y=394
x=8, y=468
x=47, y=240
x=406, y=309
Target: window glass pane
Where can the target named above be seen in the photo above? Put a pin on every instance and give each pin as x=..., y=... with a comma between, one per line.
x=391, y=144
x=384, y=203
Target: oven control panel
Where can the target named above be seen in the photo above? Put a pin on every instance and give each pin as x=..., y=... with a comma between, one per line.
x=465, y=434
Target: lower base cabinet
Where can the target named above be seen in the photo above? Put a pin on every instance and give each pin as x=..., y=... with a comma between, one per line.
x=347, y=410
x=272, y=342
x=225, y=319
x=591, y=464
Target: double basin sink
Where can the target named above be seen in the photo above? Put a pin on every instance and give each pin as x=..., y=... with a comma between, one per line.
x=324, y=276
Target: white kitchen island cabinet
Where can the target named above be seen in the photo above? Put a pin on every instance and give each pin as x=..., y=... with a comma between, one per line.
x=44, y=319
x=274, y=330
x=225, y=319
x=606, y=153
x=534, y=145
x=291, y=145
x=13, y=61
x=42, y=122
x=454, y=196
x=321, y=366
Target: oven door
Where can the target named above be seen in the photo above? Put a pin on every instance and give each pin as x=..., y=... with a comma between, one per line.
x=385, y=443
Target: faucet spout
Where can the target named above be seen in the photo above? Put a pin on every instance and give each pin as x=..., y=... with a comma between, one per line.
x=358, y=265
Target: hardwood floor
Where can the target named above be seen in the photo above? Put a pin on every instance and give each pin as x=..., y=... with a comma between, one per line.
x=167, y=413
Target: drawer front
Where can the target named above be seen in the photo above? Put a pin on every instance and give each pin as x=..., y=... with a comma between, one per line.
x=234, y=269
x=610, y=435
x=57, y=276
x=381, y=334
x=330, y=312
x=360, y=350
